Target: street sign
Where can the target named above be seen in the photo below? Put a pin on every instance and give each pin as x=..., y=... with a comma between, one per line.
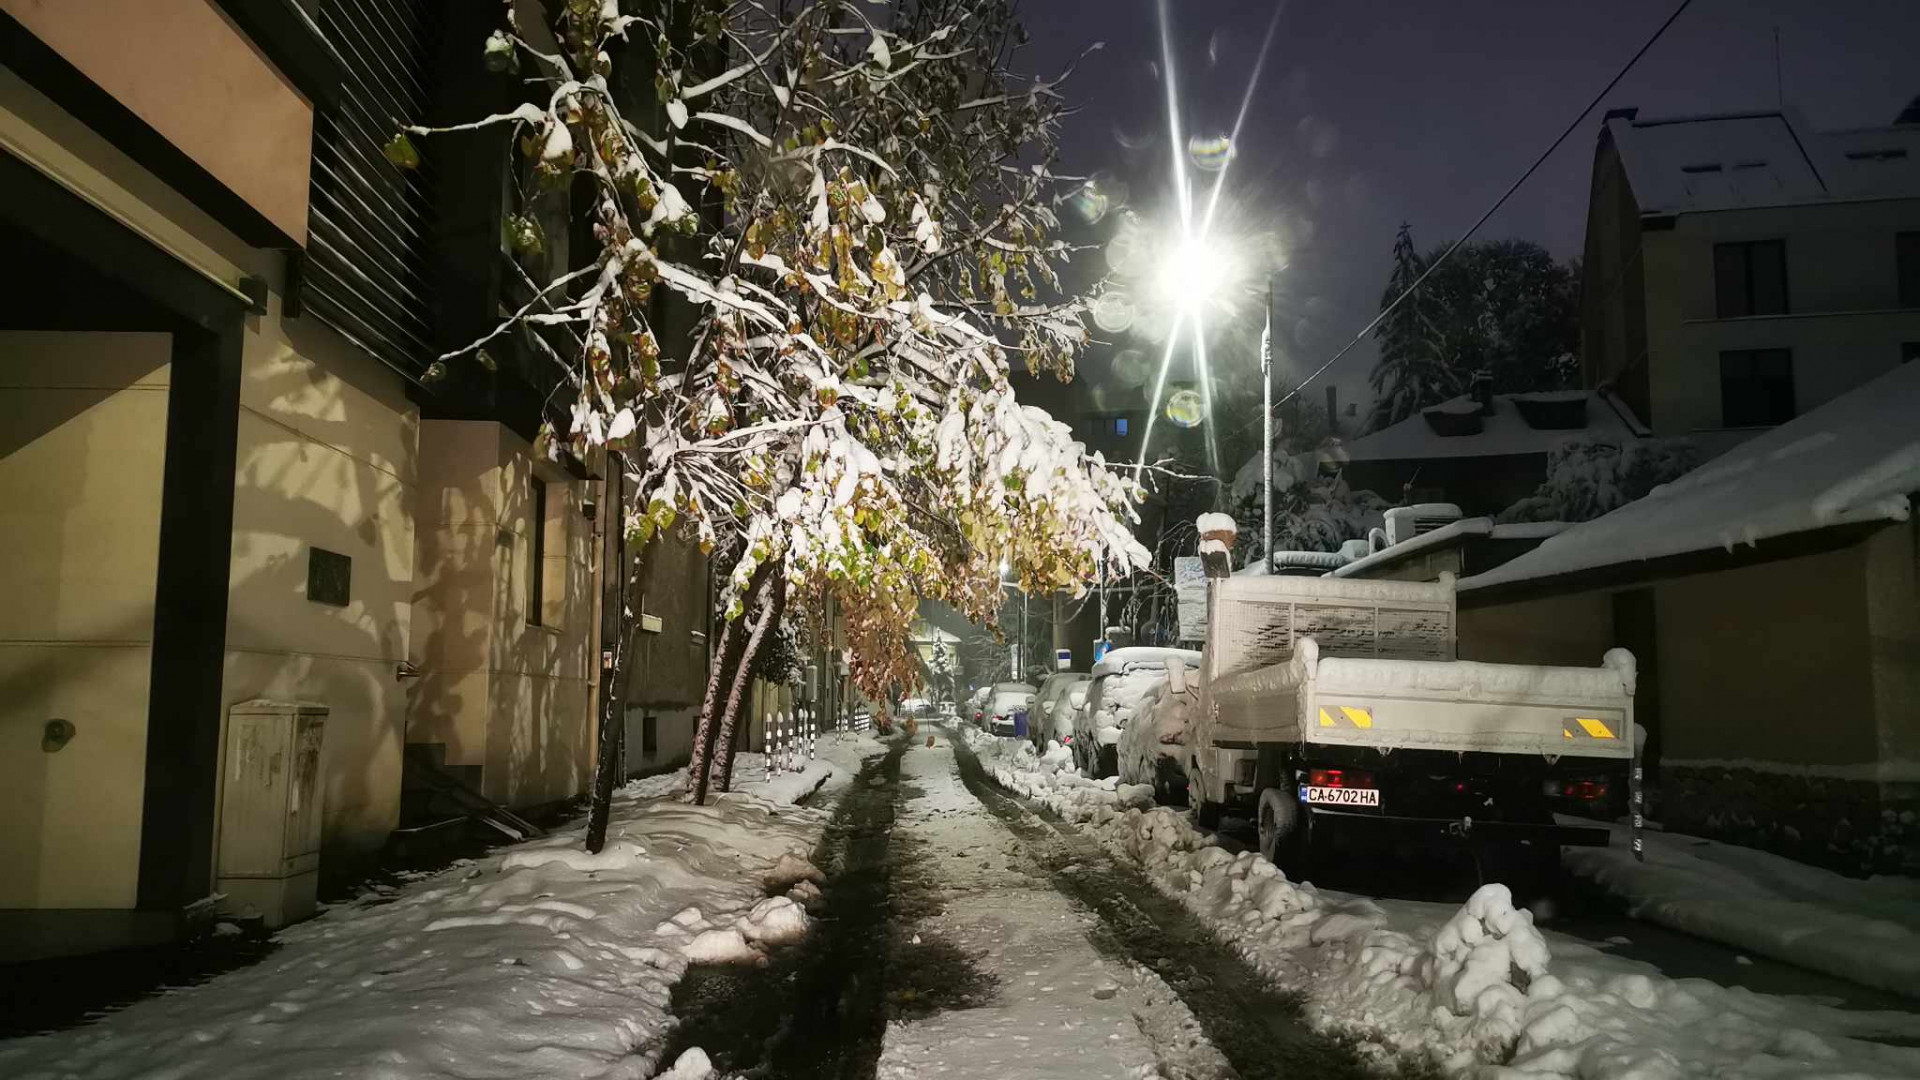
x=1063, y=659
x=1190, y=590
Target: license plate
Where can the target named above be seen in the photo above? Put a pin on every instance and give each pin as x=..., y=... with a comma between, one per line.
x=1344, y=796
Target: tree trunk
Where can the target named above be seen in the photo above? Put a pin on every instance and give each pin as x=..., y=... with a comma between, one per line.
x=743, y=675
x=618, y=576
x=725, y=657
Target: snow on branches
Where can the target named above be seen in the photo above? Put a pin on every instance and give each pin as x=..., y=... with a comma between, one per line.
x=847, y=208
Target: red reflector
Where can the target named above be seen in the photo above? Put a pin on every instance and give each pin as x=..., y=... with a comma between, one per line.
x=1339, y=778
x=1459, y=785
x=1585, y=790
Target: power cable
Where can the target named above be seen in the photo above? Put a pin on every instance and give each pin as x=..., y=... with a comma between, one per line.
x=1491, y=210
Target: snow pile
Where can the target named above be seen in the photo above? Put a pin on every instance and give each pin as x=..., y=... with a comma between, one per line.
x=1477, y=990
x=1161, y=732
x=1867, y=931
x=538, y=960
x=1052, y=781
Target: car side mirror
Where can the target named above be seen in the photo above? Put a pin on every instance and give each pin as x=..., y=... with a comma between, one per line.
x=1177, y=675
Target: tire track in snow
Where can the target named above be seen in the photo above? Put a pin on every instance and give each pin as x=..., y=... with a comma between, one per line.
x=1256, y=1026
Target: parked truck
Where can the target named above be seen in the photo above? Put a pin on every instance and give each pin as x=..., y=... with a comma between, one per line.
x=1335, y=709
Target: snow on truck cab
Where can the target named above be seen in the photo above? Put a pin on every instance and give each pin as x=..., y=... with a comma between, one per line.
x=1334, y=708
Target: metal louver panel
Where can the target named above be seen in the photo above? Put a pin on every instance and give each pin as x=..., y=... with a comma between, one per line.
x=365, y=272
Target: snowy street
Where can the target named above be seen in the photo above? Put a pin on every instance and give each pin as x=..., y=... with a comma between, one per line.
x=974, y=912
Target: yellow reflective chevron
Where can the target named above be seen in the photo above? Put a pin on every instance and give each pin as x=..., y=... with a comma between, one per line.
x=1585, y=727
x=1345, y=716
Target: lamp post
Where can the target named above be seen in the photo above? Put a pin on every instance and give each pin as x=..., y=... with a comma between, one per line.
x=1266, y=433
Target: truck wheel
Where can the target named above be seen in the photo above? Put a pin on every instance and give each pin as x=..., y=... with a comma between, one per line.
x=1285, y=836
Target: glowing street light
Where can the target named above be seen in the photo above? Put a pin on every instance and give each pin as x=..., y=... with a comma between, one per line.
x=1192, y=276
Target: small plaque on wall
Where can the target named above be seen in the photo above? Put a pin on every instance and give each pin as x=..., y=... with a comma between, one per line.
x=329, y=577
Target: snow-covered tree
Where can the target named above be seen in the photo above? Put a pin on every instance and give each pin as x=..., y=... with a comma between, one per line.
x=1503, y=307
x=1588, y=476
x=854, y=200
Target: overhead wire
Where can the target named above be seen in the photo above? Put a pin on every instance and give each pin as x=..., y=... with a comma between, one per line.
x=1572, y=126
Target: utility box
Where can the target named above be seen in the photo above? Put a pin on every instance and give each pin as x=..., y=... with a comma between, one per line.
x=269, y=848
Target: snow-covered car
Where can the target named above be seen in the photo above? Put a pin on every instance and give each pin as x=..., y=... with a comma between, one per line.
x=976, y=710
x=1008, y=699
x=1153, y=747
x=1050, y=722
x=1123, y=683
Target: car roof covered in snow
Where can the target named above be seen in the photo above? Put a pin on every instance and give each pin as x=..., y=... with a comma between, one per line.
x=1142, y=656
x=1503, y=432
x=1851, y=460
x=1696, y=163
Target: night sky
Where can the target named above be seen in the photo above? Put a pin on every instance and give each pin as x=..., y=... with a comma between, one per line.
x=1370, y=113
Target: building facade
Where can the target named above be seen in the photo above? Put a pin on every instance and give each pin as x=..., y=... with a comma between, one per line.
x=231, y=468
x=1740, y=270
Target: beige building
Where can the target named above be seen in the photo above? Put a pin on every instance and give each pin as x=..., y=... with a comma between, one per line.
x=227, y=475
x=1741, y=270
x=1772, y=599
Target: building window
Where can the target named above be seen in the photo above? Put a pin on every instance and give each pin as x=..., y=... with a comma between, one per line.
x=649, y=734
x=329, y=577
x=1756, y=387
x=1750, y=278
x=537, y=550
x=1119, y=425
x=1906, y=252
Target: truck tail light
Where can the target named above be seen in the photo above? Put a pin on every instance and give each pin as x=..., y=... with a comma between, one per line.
x=1339, y=778
x=1583, y=790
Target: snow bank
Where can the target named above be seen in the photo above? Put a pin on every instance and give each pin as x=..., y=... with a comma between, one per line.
x=538, y=960
x=1866, y=931
x=1473, y=991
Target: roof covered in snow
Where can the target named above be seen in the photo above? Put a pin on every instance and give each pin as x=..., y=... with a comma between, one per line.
x=1851, y=460
x=1683, y=164
x=1451, y=533
x=1504, y=432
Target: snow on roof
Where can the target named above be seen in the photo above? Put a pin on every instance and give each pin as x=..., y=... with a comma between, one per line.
x=1501, y=434
x=1760, y=159
x=1851, y=460
x=1473, y=526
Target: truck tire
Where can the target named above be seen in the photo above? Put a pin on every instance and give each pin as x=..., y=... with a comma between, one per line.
x=1286, y=838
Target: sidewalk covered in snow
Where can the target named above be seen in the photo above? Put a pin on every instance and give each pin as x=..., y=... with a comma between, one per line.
x=537, y=960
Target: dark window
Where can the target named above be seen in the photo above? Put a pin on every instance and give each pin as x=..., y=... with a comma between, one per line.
x=1906, y=249
x=649, y=734
x=537, y=550
x=1750, y=278
x=1119, y=425
x=329, y=577
x=1756, y=387
x=369, y=218
x=1909, y=351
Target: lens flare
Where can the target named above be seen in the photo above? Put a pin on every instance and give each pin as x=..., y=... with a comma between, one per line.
x=1088, y=203
x=1113, y=312
x=1210, y=154
x=1130, y=368
x=1185, y=409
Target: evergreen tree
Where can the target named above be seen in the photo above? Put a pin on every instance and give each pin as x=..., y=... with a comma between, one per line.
x=1505, y=307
